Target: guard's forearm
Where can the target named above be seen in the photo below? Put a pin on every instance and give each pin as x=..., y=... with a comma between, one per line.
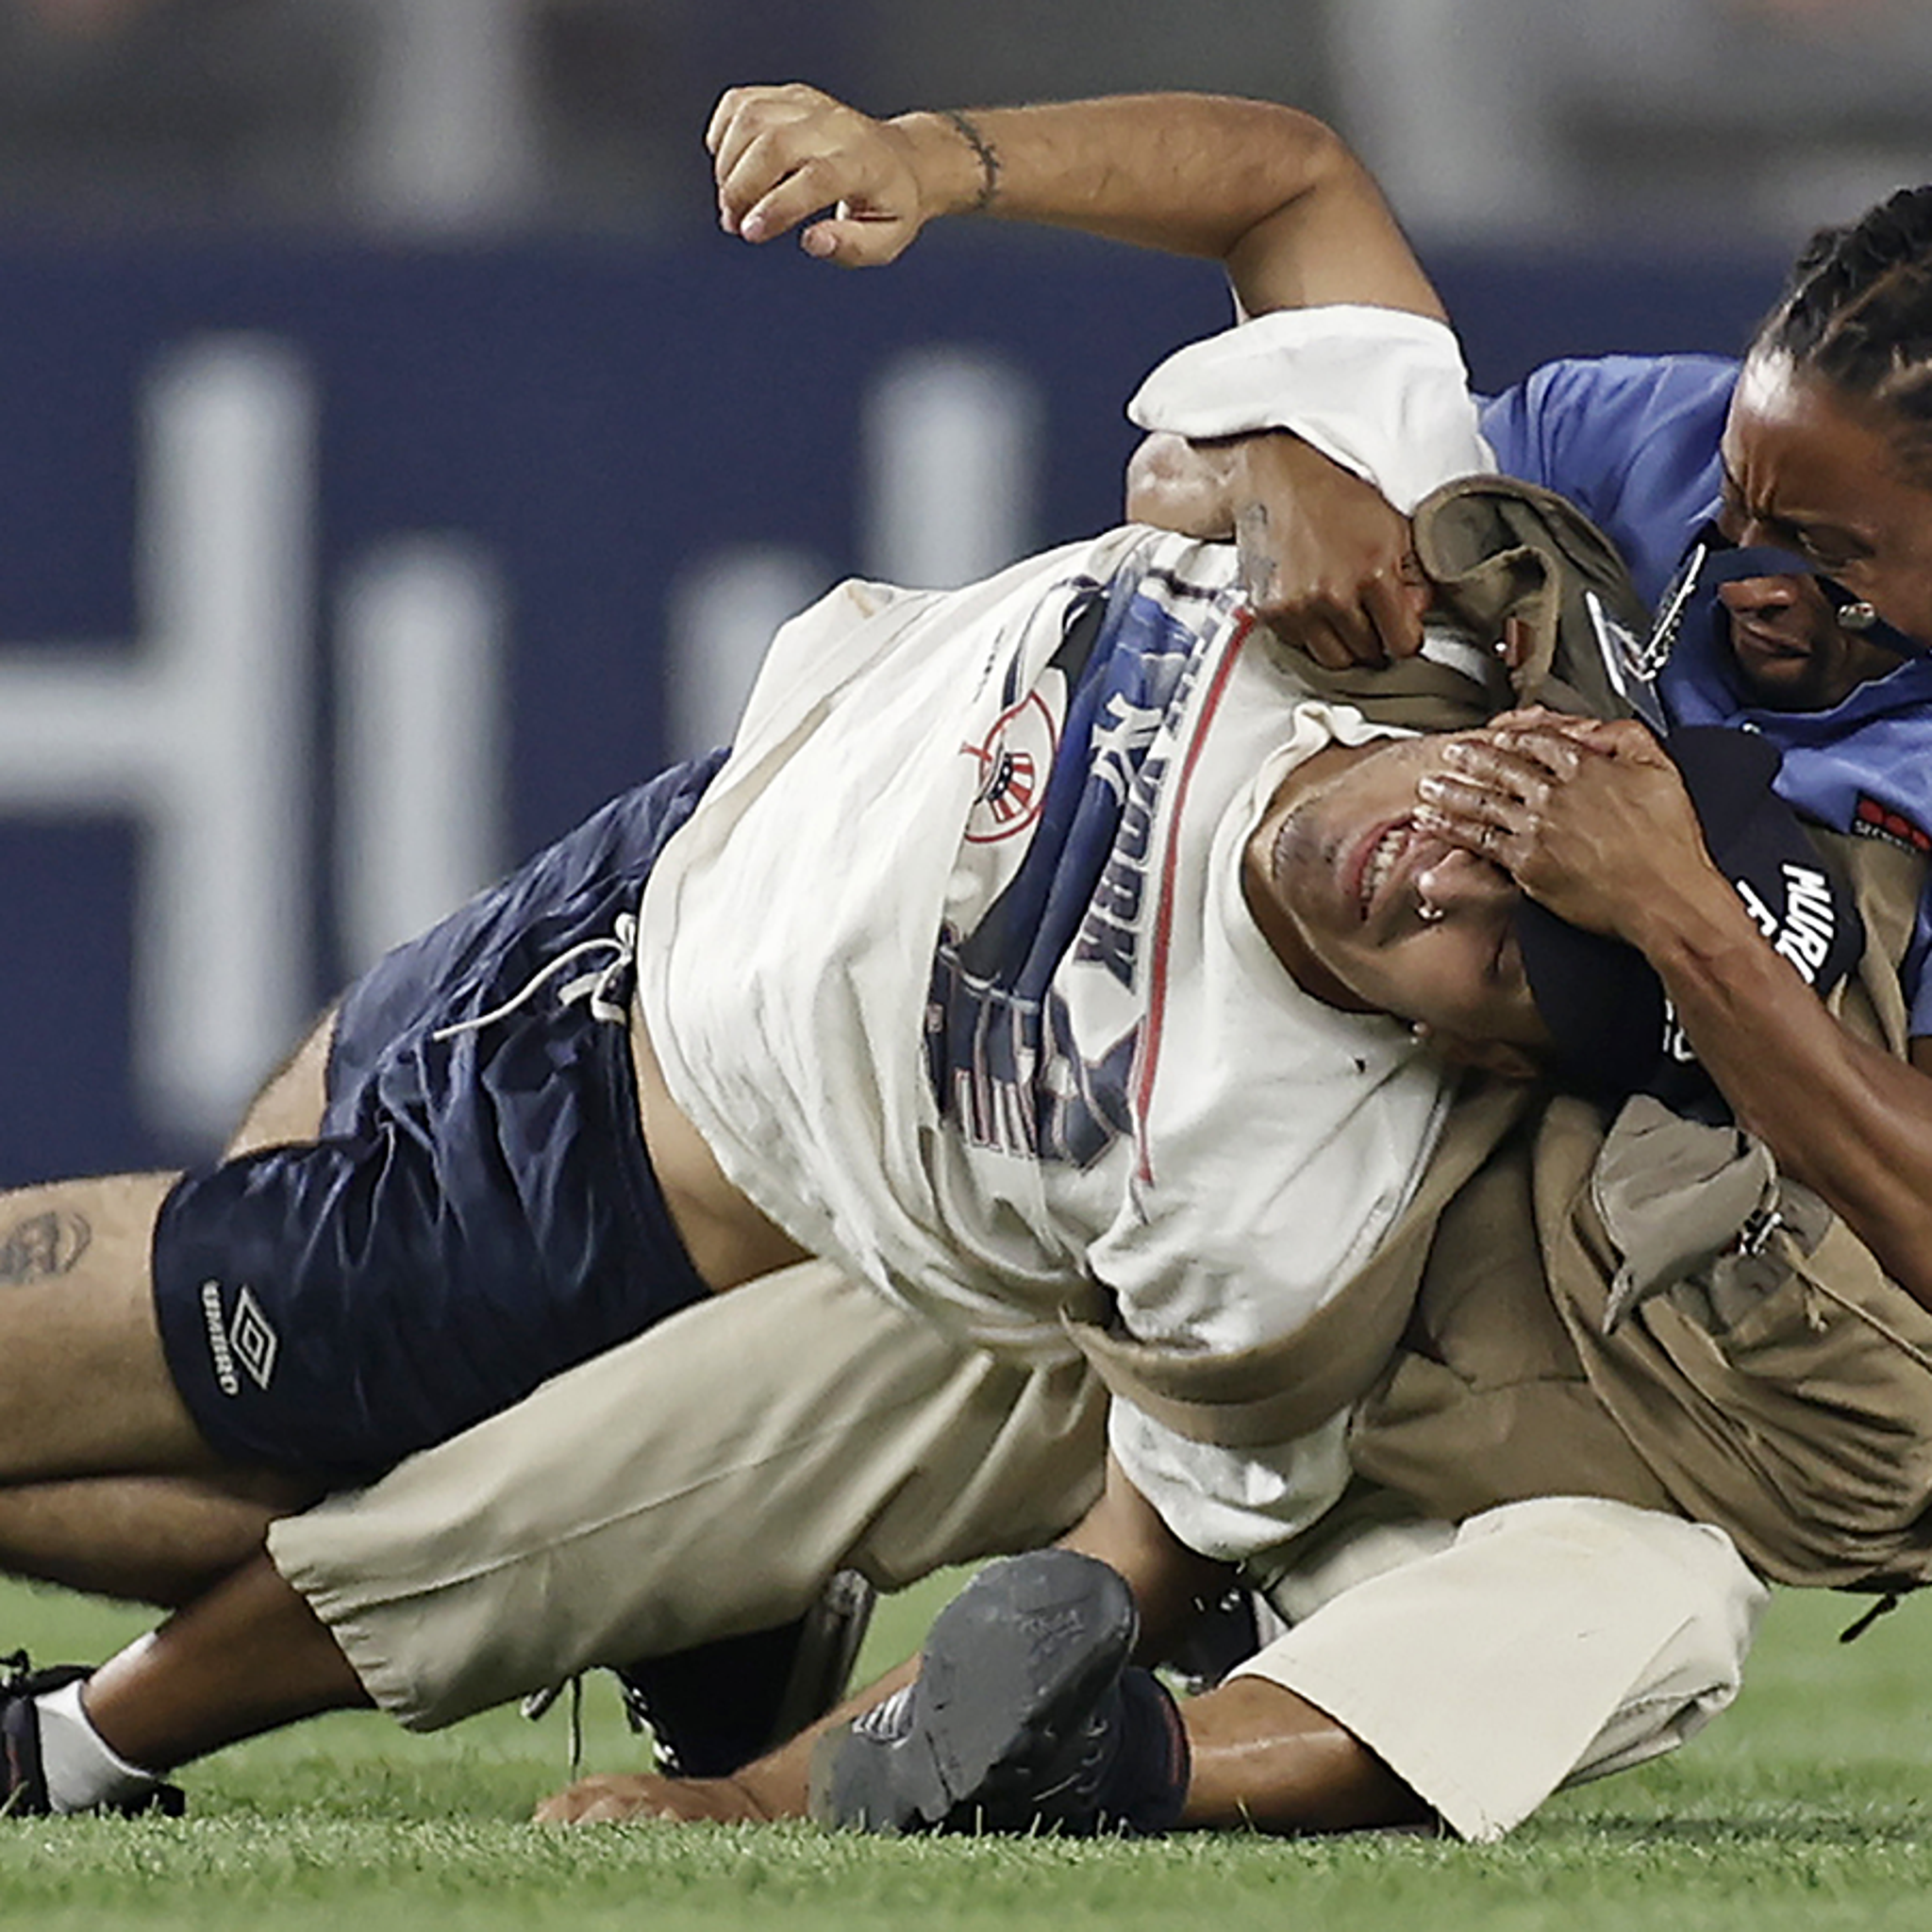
x=1847, y=1119
x=1271, y=193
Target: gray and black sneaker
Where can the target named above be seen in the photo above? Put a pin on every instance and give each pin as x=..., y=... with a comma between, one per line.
x=23, y=1785
x=1025, y=1718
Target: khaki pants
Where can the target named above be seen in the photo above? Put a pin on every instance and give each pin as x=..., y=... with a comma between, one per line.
x=1533, y=1646
x=703, y=1479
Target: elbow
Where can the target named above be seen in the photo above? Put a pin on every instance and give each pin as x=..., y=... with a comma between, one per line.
x=1181, y=486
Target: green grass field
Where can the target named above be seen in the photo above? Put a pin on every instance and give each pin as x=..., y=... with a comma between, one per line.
x=1809, y=1806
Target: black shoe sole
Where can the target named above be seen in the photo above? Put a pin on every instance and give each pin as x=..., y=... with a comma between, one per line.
x=1011, y=1665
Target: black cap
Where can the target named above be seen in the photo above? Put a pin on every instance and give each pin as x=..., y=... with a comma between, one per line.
x=1603, y=1001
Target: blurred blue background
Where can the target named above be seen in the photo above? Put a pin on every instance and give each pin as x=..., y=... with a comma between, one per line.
x=398, y=461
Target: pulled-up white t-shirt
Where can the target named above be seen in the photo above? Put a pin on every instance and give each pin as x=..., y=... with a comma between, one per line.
x=952, y=969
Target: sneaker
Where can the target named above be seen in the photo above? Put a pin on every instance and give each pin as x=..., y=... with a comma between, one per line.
x=713, y=1708
x=1227, y=1632
x=1024, y=1718
x=23, y=1787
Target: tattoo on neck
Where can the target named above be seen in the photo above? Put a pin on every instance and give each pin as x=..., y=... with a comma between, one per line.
x=41, y=1246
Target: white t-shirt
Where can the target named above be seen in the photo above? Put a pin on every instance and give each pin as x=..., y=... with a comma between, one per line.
x=952, y=969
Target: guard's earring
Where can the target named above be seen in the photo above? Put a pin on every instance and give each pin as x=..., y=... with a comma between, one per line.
x=1858, y=616
x=1425, y=910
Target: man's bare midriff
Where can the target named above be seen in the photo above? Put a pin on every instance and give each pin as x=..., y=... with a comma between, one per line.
x=728, y=1240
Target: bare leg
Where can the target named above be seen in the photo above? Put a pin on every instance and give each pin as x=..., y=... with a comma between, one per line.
x=245, y=1653
x=1269, y=1761
x=84, y=1388
x=248, y=1657
x=1261, y=1756
x=289, y=1108
x=145, y=1540
x=1263, y=1759
x=251, y=1657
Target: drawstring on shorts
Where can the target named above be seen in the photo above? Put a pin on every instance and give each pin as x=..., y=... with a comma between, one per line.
x=603, y=984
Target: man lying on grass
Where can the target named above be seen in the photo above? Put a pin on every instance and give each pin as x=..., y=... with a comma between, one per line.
x=1595, y=1318
x=1153, y=855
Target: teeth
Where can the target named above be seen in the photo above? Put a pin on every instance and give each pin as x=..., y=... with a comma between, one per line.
x=1387, y=850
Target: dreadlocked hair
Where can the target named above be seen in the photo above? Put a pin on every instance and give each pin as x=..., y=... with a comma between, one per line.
x=1857, y=312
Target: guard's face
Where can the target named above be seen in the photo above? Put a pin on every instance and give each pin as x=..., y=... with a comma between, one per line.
x=1812, y=471
x=1372, y=915
x=1790, y=652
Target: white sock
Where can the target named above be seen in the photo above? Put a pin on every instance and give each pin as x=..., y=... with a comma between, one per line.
x=81, y=1772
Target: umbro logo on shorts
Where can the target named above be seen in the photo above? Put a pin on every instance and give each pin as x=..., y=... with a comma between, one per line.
x=245, y=1338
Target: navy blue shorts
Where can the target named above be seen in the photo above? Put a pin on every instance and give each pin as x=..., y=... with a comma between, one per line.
x=479, y=1213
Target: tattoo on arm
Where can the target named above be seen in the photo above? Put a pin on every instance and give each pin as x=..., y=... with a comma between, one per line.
x=984, y=151
x=1257, y=568
x=42, y=1245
